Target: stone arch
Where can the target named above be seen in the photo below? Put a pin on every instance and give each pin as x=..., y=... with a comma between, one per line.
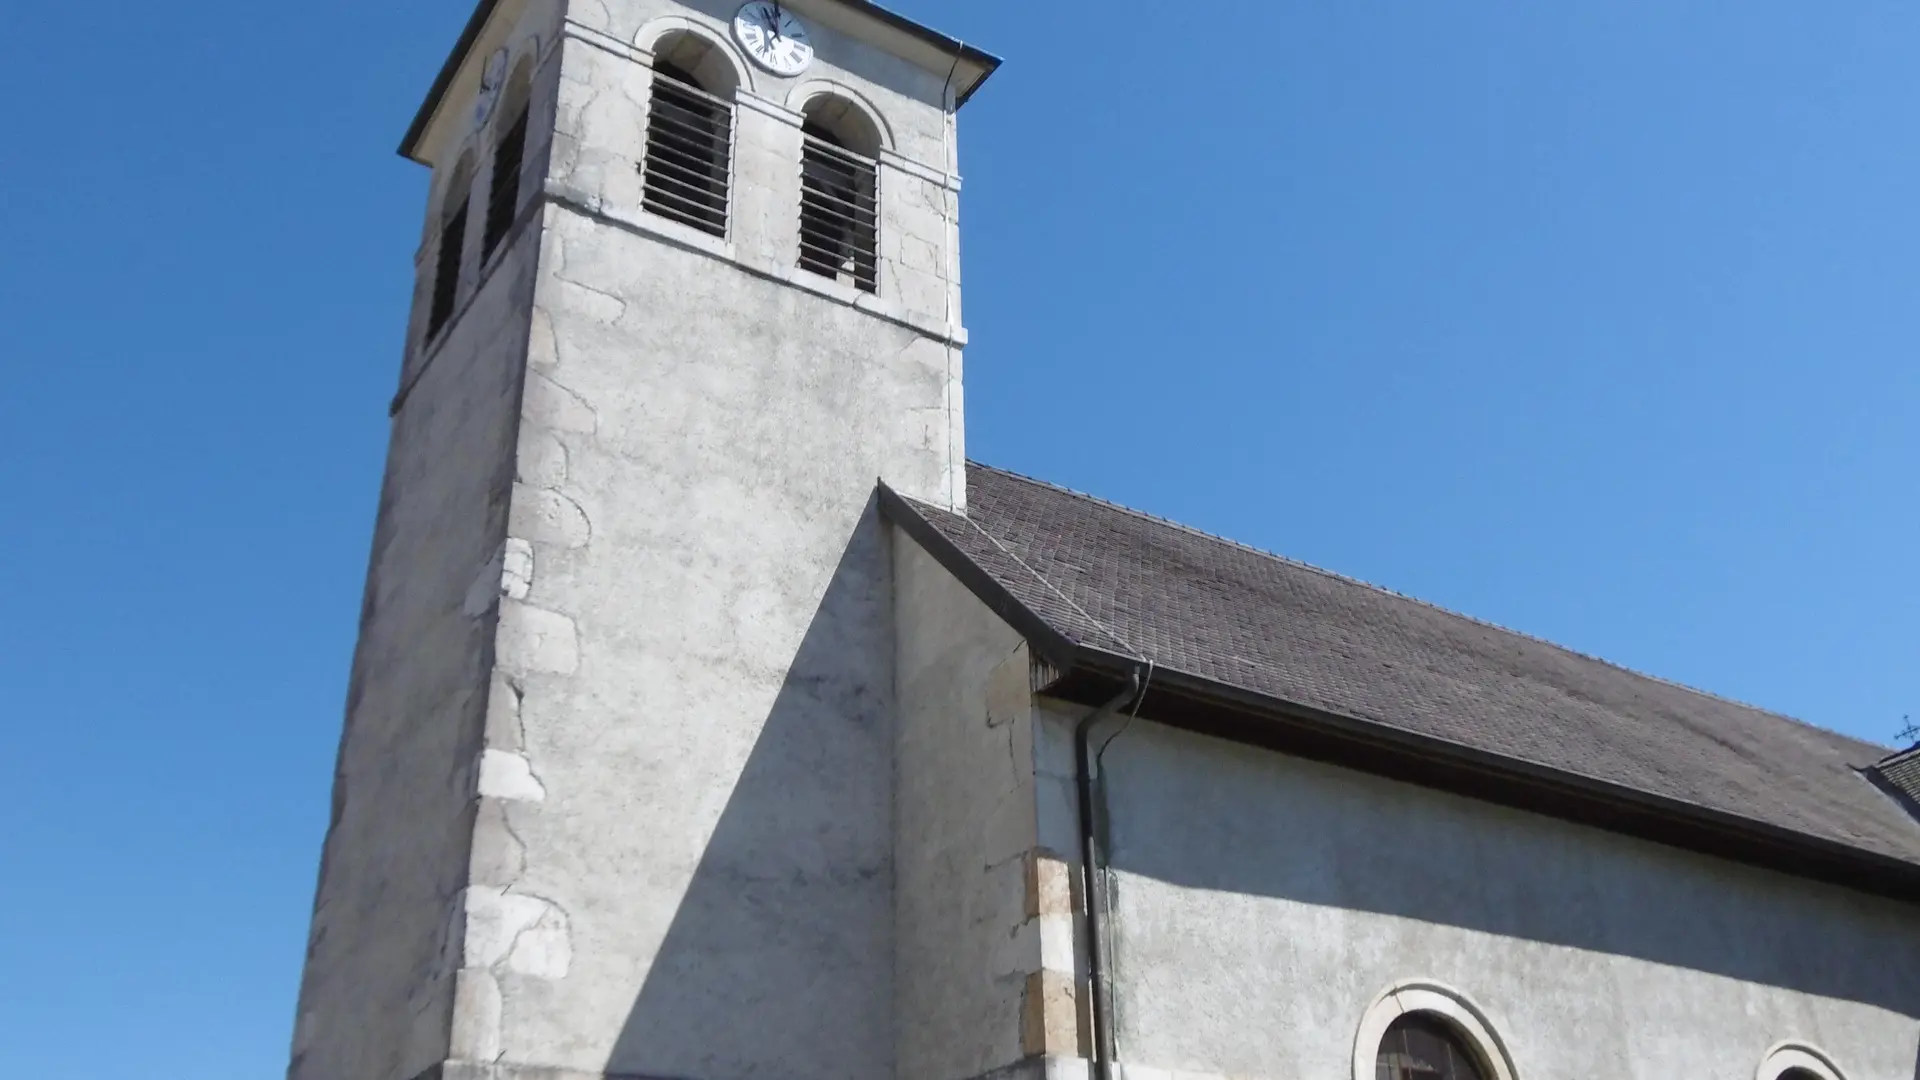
x=842, y=108
x=518, y=93
x=688, y=166
x=840, y=190
x=711, y=58
x=456, y=190
x=449, y=225
x=509, y=151
x=1797, y=1059
x=1442, y=1002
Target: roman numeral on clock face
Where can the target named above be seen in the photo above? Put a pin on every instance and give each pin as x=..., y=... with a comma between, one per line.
x=773, y=37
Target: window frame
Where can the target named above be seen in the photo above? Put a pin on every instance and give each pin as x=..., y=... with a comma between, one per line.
x=511, y=130
x=449, y=268
x=1783, y=1058
x=669, y=190
x=838, y=243
x=1407, y=1057
x=1424, y=996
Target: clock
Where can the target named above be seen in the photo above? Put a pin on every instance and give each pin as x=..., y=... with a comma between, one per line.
x=773, y=38
x=493, y=79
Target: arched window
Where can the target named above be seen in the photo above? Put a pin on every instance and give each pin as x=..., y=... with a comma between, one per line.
x=839, y=194
x=690, y=133
x=509, y=154
x=1422, y=1046
x=453, y=238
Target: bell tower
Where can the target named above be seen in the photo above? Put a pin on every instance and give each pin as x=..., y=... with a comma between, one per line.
x=614, y=793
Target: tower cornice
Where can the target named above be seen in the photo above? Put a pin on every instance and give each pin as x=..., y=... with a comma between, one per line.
x=972, y=67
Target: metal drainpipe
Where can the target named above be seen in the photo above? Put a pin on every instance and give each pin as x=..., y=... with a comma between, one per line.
x=1100, y=1015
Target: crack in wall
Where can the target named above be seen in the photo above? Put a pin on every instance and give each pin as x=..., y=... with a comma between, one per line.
x=551, y=960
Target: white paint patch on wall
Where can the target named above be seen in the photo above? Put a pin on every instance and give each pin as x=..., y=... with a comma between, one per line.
x=516, y=575
x=510, y=777
x=533, y=640
x=516, y=932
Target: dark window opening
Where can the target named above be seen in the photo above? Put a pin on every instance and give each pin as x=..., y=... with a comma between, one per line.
x=446, y=281
x=503, y=200
x=1422, y=1047
x=839, y=217
x=689, y=151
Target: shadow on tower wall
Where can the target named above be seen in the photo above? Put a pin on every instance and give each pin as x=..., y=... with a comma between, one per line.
x=779, y=961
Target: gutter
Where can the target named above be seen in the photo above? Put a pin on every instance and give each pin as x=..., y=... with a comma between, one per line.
x=1196, y=703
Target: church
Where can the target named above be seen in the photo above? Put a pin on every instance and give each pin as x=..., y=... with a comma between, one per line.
x=714, y=718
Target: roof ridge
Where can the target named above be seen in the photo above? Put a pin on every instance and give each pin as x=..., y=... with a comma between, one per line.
x=1475, y=620
x=1901, y=757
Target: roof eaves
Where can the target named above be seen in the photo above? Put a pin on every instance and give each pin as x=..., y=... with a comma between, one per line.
x=1210, y=707
x=960, y=50
x=1085, y=672
x=444, y=80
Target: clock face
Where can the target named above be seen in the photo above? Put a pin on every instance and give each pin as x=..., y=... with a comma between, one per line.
x=492, y=81
x=773, y=37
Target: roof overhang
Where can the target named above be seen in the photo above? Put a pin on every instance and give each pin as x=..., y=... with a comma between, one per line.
x=968, y=68
x=1091, y=676
x=449, y=71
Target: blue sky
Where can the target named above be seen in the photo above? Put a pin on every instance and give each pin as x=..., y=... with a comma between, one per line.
x=1592, y=318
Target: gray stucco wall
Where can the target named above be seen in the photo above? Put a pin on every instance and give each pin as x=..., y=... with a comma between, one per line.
x=973, y=939
x=380, y=991
x=377, y=994
x=703, y=669
x=1262, y=902
x=703, y=662
x=695, y=772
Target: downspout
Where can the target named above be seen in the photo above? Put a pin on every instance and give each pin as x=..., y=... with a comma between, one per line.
x=1100, y=1015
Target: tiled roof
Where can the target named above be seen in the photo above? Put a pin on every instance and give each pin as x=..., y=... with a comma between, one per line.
x=1902, y=773
x=1100, y=577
